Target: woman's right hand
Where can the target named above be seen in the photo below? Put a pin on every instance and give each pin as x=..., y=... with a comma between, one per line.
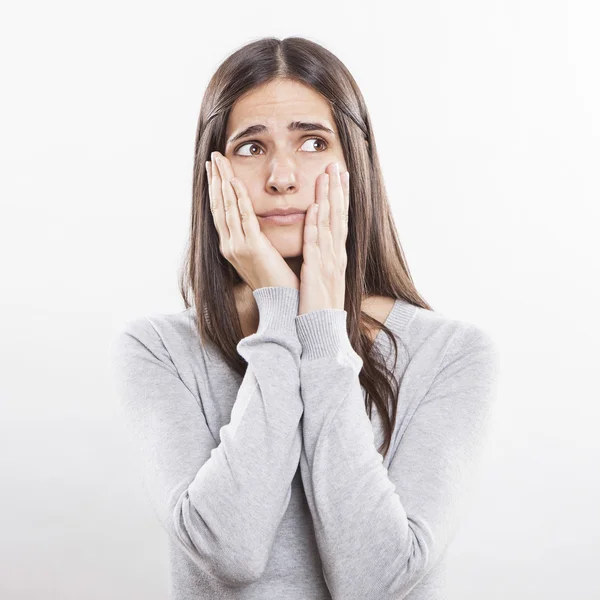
x=241, y=240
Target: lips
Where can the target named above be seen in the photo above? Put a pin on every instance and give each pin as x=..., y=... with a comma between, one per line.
x=282, y=212
x=290, y=218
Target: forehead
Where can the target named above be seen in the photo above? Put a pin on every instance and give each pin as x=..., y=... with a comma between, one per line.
x=276, y=104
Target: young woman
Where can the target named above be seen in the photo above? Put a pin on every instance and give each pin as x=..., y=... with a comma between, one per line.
x=289, y=450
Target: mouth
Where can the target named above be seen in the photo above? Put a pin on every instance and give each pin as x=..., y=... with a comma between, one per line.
x=285, y=219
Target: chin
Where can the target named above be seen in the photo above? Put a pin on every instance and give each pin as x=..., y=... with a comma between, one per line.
x=287, y=242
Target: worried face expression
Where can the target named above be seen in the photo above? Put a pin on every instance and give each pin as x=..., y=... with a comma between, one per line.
x=280, y=137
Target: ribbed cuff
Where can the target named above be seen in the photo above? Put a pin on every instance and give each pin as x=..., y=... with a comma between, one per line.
x=323, y=333
x=277, y=308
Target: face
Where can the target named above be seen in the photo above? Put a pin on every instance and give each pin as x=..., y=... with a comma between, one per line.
x=280, y=166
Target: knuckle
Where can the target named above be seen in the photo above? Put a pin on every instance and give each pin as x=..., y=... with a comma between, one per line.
x=241, y=251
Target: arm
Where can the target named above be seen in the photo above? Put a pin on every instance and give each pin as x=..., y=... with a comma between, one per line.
x=221, y=504
x=379, y=530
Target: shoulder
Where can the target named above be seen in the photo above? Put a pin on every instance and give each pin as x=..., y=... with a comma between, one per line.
x=161, y=335
x=447, y=357
x=459, y=333
x=444, y=340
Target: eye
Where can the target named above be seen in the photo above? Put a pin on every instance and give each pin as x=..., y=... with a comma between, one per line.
x=319, y=140
x=255, y=145
x=246, y=144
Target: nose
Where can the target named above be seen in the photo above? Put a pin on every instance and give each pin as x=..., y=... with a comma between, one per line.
x=281, y=186
x=282, y=179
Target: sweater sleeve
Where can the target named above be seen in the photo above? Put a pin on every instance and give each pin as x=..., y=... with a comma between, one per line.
x=379, y=531
x=221, y=504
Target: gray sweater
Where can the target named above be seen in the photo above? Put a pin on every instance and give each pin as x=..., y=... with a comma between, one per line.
x=270, y=486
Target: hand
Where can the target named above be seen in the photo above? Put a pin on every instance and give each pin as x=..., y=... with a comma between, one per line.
x=323, y=272
x=241, y=240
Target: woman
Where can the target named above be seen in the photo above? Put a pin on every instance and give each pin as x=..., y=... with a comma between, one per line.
x=263, y=457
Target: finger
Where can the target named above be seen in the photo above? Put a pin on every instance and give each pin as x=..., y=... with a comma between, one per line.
x=346, y=188
x=310, y=249
x=337, y=210
x=345, y=178
x=248, y=217
x=230, y=202
x=323, y=220
x=216, y=205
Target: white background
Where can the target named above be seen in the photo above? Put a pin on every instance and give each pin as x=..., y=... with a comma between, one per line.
x=486, y=119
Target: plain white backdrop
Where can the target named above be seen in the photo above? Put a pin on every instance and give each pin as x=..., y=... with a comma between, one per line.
x=487, y=123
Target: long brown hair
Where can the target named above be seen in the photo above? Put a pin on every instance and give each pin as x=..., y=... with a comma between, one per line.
x=376, y=263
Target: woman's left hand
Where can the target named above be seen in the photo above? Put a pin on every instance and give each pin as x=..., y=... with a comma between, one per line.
x=323, y=272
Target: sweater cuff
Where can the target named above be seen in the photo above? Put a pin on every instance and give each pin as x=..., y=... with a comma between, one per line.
x=323, y=333
x=277, y=308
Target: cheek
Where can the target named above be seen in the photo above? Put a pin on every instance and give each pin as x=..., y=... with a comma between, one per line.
x=331, y=159
x=343, y=165
x=251, y=181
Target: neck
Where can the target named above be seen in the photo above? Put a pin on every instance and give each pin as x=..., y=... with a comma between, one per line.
x=295, y=264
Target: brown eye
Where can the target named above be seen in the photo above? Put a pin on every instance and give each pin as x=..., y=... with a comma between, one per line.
x=319, y=140
x=251, y=145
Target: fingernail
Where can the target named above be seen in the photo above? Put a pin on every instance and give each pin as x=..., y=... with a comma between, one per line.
x=336, y=168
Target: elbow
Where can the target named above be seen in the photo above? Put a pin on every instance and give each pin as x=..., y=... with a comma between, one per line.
x=419, y=564
x=235, y=572
x=214, y=554
x=229, y=567
x=419, y=557
x=238, y=569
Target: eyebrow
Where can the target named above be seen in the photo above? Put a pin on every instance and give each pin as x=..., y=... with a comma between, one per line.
x=293, y=126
